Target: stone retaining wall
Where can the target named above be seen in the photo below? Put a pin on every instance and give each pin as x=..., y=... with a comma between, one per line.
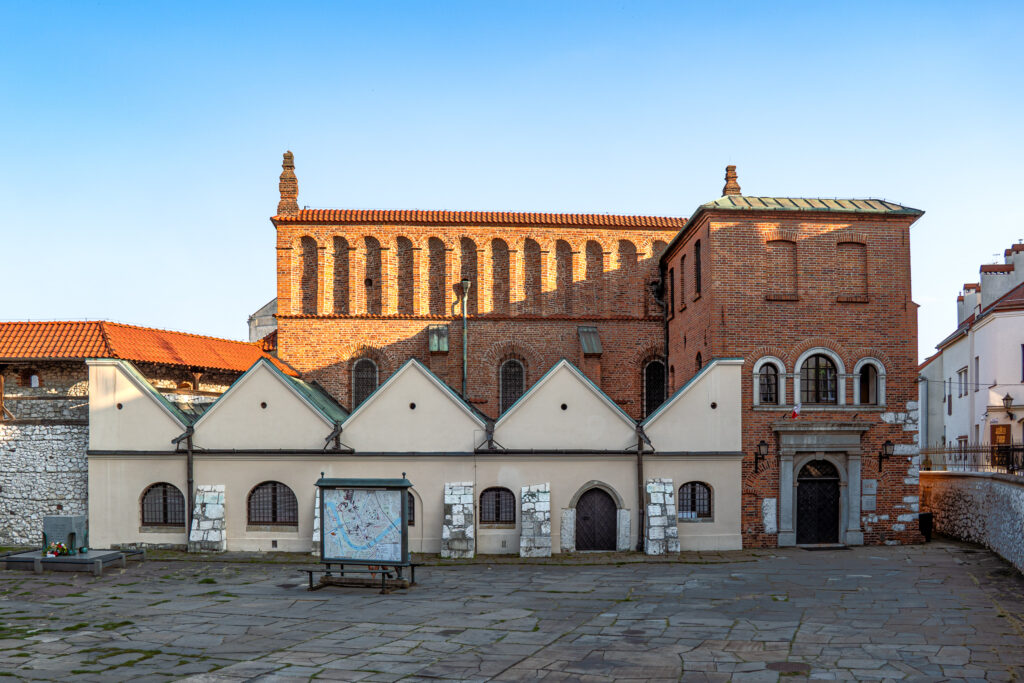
x=981, y=507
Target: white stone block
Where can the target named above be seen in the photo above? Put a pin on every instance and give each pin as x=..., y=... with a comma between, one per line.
x=906, y=518
x=769, y=515
x=450, y=498
x=658, y=521
x=458, y=520
x=215, y=511
x=899, y=527
x=654, y=511
x=622, y=530
x=658, y=497
x=213, y=535
x=543, y=507
x=656, y=532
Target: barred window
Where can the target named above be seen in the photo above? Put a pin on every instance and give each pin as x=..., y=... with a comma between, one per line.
x=412, y=508
x=513, y=382
x=364, y=380
x=497, y=506
x=654, y=386
x=819, y=380
x=273, y=503
x=868, y=385
x=768, y=379
x=163, y=505
x=694, y=501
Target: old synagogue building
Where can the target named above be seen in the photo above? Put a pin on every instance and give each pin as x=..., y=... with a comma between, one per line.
x=744, y=377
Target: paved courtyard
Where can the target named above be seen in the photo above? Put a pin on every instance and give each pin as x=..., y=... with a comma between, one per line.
x=937, y=611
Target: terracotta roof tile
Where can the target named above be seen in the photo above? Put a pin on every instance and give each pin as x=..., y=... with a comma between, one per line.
x=101, y=339
x=479, y=218
x=997, y=268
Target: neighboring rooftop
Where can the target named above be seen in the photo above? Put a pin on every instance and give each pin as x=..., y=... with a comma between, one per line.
x=405, y=216
x=65, y=340
x=735, y=202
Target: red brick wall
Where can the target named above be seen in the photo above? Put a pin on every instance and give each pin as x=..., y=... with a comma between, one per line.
x=532, y=287
x=742, y=312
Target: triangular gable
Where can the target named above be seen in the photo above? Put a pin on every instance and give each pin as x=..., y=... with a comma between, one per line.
x=413, y=411
x=126, y=413
x=686, y=422
x=267, y=409
x=590, y=421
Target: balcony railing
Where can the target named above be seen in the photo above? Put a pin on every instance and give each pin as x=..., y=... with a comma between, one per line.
x=1003, y=458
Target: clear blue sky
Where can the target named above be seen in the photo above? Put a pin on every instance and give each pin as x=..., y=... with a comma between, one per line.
x=142, y=141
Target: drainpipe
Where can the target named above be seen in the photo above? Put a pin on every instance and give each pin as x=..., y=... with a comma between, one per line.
x=189, y=475
x=641, y=438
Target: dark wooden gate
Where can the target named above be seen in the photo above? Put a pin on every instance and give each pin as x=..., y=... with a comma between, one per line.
x=596, y=518
x=817, y=503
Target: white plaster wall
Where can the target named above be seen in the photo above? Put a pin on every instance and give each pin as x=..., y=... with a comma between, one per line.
x=997, y=343
x=725, y=477
x=141, y=424
x=116, y=485
x=238, y=422
x=588, y=422
x=954, y=357
x=689, y=423
x=387, y=424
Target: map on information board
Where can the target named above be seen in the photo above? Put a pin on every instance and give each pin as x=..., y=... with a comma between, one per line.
x=362, y=525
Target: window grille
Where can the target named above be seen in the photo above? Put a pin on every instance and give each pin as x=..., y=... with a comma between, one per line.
x=694, y=501
x=412, y=508
x=868, y=385
x=818, y=380
x=163, y=505
x=769, y=384
x=273, y=503
x=513, y=382
x=364, y=380
x=497, y=506
x=654, y=386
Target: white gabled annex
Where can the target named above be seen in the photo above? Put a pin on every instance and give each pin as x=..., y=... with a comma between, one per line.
x=565, y=410
x=702, y=416
x=413, y=411
x=126, y=413
x=265, y=409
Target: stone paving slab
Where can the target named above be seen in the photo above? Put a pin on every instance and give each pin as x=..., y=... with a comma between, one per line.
x=940, y=611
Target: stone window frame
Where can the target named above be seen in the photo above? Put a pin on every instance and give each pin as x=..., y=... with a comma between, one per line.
x=879, y=378
x=711, y=504
x=840, y=378
x=497, y=523
x=161, y=527
x=780, y=367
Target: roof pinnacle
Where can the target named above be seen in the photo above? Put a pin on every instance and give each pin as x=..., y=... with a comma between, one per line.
x=732, y=186
x=289, y=187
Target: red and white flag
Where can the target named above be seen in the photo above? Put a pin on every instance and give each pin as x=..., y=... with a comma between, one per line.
x=796, y=411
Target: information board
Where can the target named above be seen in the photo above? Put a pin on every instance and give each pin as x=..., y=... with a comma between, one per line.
x=363, y=524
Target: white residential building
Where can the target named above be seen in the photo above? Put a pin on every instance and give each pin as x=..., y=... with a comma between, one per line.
x=972, y=390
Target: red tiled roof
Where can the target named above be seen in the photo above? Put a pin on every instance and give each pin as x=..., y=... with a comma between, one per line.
x=997, y=268
x=479, y=218
x=1013, y=250
x=972, y=285
x=102, y=339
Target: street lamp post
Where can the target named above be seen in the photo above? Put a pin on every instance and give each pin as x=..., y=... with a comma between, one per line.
x=466, y=284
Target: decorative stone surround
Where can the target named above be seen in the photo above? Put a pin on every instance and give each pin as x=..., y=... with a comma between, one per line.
x=661, y=535
x=535, y=534
x=458, y=534
x=208, y=528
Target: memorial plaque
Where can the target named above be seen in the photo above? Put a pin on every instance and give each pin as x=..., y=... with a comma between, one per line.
x=869, y=486
x=867, y=503
x=71, y=530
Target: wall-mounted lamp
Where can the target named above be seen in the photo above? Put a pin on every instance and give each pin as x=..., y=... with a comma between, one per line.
x=1007, y=404
x=761, y=454
x=887, y=450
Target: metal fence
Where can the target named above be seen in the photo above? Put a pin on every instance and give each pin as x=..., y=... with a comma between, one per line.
x=1005, y=458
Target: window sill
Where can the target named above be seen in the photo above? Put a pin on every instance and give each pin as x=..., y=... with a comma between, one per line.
x=696, y=297
x=859, y=299
x=497, y=526
x=704, y=520
x=774, y=296
x=294, y=528
x=162, y=529
x=682, y=308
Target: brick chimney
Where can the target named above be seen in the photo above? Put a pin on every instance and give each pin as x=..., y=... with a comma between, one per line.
x=289, y=186
x=731, y=186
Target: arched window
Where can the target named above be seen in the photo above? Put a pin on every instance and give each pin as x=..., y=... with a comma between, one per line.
x=512, y=384
x=654, y=386
x=308, y=283
x=163, y=505
x=699, y=362
x=869, y=390
x=768, y=385
x=497, y=506
x=696, y=269
x=694, y=501
x=819, y=380
x=364, y=380
x=273, y=503
x=412, y=508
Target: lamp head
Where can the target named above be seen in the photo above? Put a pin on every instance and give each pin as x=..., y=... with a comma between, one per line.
x=1007, y=401
x=466, y=284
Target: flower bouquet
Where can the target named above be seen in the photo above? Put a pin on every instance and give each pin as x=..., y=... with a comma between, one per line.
x=56, y=549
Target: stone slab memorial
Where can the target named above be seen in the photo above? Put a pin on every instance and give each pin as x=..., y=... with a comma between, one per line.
x=458, y=540
x=535, y=533
x=71, y=530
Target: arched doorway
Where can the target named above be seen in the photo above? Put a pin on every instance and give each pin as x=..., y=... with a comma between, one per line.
x=817, y=503
x=596, y=519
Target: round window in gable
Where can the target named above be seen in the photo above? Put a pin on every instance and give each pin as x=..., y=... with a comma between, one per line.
x=120, y=405
x=263, y=405
x=412, y=406
x=565, y=407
